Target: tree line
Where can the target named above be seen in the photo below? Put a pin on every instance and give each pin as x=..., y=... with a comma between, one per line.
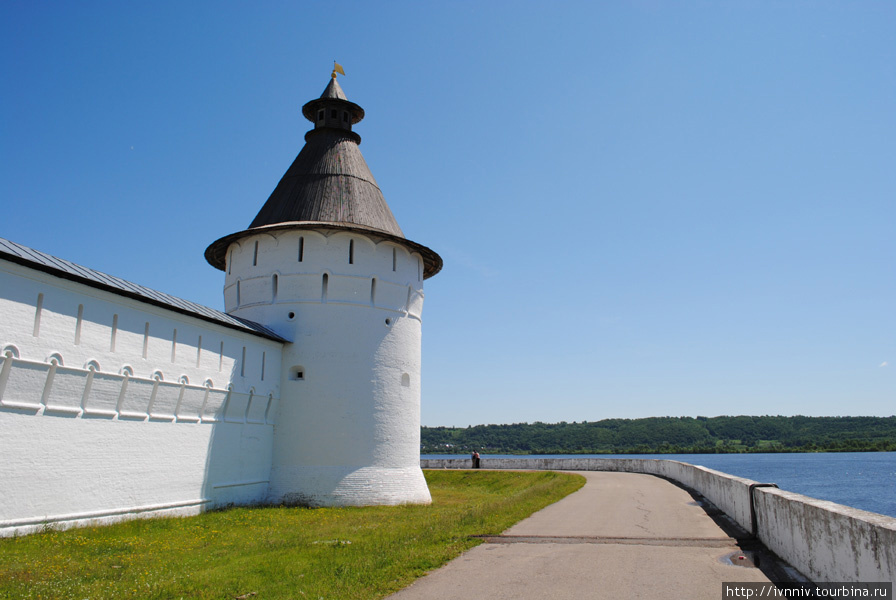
x=669, y=435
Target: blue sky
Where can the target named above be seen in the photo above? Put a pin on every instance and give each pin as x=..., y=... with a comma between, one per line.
x=644, y=208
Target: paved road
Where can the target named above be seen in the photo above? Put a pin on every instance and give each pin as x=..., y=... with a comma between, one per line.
x=623, y=535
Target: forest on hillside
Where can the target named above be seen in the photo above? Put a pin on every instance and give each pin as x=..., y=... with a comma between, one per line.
x=669, y=435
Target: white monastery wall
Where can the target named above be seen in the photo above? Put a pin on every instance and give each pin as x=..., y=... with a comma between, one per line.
x=111, y=407
x=349, y=426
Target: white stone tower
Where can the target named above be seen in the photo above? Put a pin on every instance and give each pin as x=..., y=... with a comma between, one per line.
x=325, y=265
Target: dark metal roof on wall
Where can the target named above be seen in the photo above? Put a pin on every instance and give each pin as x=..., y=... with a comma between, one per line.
x=65, y=269
x=328, y=186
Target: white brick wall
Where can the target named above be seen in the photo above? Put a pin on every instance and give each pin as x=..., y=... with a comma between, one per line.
x=104, y=417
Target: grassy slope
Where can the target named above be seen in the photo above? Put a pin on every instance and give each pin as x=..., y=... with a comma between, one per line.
x=277, y=552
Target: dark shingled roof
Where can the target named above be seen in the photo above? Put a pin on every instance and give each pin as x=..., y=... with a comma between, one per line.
x=334, y=90
x=65, y=269
x=328, y=186
x=329, y=181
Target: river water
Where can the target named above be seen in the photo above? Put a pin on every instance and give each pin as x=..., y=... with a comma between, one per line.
x=865, y=480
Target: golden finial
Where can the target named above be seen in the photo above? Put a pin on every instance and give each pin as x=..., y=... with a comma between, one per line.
x=337, y=68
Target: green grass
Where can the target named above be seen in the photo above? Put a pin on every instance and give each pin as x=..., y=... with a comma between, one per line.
x=277, y=552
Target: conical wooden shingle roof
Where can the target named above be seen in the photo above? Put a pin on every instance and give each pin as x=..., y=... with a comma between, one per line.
x=329, y=181
x=328, y=185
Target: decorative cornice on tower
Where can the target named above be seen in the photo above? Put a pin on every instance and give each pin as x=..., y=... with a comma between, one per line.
x=328, y=185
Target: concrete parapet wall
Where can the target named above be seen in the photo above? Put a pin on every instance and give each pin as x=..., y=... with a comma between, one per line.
x=823, y=540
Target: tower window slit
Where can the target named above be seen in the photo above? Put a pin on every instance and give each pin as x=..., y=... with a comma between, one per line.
x=275, y=280
x=78, y=324
x=37, y=310
x=199, y=351
x=344, y=116
x=243, y=363
x=146, y=340
x=394, y=258
x=114, y=332
x=262, y=365
x=301, y=249
x=221, y=358
x=255, y=256
x=324, y=281
x=174, y=345
x=320, y=115
x=373, y=291
x=351, y=252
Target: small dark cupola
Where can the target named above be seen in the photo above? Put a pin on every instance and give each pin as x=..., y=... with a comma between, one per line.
x=333, y=110
x=328, y=185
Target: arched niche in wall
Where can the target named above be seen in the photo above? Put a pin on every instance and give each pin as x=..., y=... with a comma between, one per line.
x=234, y=253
